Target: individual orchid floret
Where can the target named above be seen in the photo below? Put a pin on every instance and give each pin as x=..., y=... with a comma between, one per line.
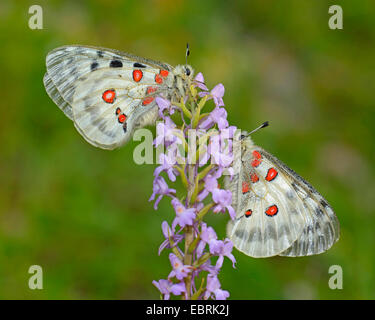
x=167, y=163
x=184, y=216
x=214, y=288
x=180, y=271
x=223, y=200
x=221, y=155
x=170, y=237
x=218, y=116
x=166, y=132
x=160, y=187
x=199, y=81
x=164, y=104
x=207, y=236
x=210, y=184
x=222, y=249
x=166, y=287
x=216, y=93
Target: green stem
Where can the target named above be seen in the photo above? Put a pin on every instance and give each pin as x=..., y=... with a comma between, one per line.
x=189, y=231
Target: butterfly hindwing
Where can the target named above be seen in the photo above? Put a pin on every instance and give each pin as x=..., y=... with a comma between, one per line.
x=107, y=93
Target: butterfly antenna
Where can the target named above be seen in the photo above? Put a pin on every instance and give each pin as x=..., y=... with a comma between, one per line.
x=187, y=52
x=263, y=125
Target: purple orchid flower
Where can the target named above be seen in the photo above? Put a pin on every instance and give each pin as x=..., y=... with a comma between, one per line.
x=195, y=247
x=223, y=200
x=199, y=81
x=216, y=93
x=169, y=235
x=223, y=249
x=220, y=152
x=208, y=236
x=166, y=132
x=218, y=116
x=161, y=188
x=210, y=184
x=214, y=288
x=167, y=164
x=166, y=287
x=184, y=216
x=164, y=104
x=180, y=271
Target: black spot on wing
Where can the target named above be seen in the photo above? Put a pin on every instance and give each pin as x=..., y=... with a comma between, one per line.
x=100, y=53
x=94, y=66
x=115, y=64
x=319, y=212
x=324, y=203
x=69, y=61
x=138, y=65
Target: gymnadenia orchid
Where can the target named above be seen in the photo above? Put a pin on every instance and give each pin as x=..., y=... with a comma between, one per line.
x=198, y=150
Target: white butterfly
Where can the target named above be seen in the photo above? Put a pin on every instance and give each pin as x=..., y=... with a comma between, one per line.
x=108, y=93
x=277, y=211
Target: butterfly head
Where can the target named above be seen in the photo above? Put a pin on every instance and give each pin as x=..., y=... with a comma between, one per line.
x=183, y=76
x=245, y=139
x=244, y=134
x=186, y=72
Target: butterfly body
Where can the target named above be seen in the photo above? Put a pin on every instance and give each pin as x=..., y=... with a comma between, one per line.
x=277, y=211
x=108, y=93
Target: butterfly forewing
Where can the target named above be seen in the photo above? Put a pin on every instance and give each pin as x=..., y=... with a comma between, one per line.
x=107, y=93
x=322, y=227
x=267, y=222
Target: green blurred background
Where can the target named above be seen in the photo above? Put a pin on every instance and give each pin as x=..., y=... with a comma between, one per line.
x=82, y=213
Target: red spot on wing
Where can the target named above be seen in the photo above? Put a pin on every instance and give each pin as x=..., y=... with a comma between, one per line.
x=147, y=101
x=248, y=213
x=164, y=73
x=118, y=111
x=158, y=79
x=150, y=90
x=245, y=187
x=121, y=118
x=137, y=75
x=271, y=174
x=109, y=96
x=254, y=178
x=272, y=210
x=257, y=158
x=257, y=155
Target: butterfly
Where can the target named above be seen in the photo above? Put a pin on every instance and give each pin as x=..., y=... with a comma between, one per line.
x=107, y=93
x=277, y=211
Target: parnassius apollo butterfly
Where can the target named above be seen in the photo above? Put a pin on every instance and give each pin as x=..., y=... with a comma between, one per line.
x=277, y=211
x=108, y=93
